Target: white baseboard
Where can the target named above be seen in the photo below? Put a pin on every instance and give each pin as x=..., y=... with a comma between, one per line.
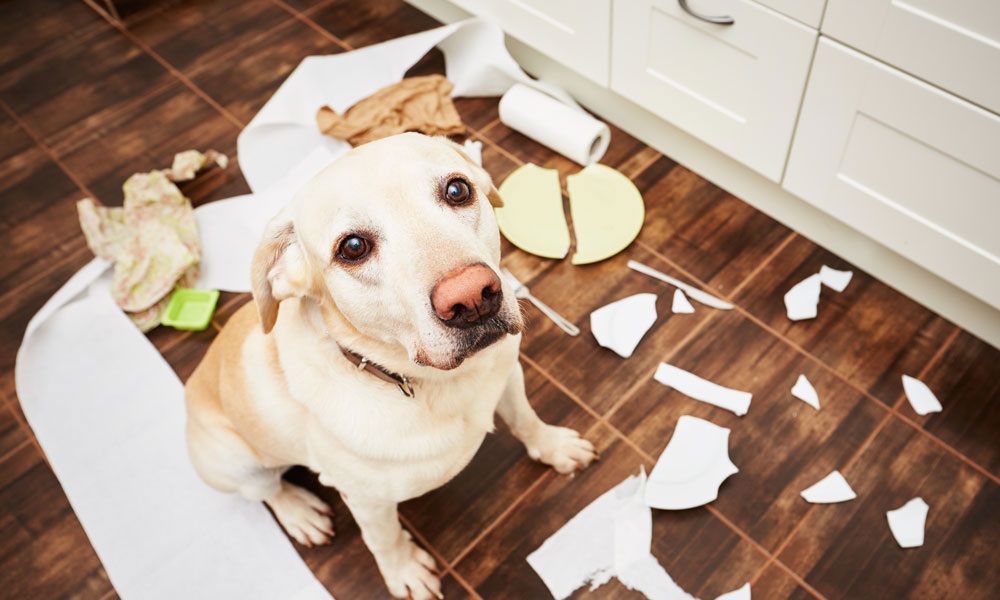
x=944, y=298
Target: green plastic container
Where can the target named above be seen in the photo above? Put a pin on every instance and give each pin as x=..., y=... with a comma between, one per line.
x=190, y=309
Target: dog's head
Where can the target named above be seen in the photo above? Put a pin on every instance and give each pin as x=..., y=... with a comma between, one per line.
x=397, y=242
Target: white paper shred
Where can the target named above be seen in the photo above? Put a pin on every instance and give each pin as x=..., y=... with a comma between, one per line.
x=801, y=301
x=907, y=523
x=804, y=391
x=921, y=398
x=692, y=466
x=621, y=325
x=829, y=490
x=834, y=279
x=691, y=385
x=742, y=593
x=681, y=304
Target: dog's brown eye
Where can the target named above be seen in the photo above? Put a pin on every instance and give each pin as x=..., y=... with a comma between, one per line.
x=457, y=192
x=354, y=248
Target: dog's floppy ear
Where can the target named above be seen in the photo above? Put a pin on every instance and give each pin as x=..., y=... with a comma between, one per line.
x=482, y=178
x=279, y=269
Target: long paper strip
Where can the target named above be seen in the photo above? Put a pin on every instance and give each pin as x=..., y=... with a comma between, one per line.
x=691, y=385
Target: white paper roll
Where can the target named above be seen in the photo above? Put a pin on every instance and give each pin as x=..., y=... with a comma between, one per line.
x=565, y=129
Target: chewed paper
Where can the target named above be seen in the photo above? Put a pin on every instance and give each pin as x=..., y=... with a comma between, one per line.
x=611, y=537
x=692, y=467
x=620, y=325
x=804, y=391
x=921, y=398
x=742, y=593
x=907, y=523
x=831, y=489
x=691, y=385
x=681, y=305
x=802, y=300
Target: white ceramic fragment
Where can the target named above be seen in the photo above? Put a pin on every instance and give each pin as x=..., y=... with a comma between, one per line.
x=829, y=490
x=804, y=391
x=648, y=577
x=834, y=279
x=691, y=385
x=620, y=325
x=681, y=304
x=907, y=523
x=801, y=301
x=742, y=593
x=474, y=148
x=692, y=466
x=921, y=398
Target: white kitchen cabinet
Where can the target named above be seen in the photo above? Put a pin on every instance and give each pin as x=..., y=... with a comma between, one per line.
x=905, y=163
x=954, y=44
x=737, y=87
x=809, y=12
x=577, y=33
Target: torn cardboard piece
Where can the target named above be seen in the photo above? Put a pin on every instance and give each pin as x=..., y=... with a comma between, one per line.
x=831, y=489
x=695, y=387
x=621, y=325
x=692, y=467
x=414, y=104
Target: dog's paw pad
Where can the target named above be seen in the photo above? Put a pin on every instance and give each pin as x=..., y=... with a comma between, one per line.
x=414, y=576
x=305, y=517
x=563, y=449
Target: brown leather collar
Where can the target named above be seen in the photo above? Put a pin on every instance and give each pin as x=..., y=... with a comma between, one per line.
x=363, y=364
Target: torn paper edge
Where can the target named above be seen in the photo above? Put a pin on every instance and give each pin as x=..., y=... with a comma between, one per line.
x=834, y=279
x=695, y=387
x=831, y=489
x=804, y=391
x=921, y=398
x=802, y=300
x=693, y=466
x=742, y=593
x=681, y=305
x=621, y=325
x=907, y=523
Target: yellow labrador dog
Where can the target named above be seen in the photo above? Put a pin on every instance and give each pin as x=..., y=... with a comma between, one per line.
x=380, y=343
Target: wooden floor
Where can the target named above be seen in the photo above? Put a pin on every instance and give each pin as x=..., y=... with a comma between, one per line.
x=87, y=102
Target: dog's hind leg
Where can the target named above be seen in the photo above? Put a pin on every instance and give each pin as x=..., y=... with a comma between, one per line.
x=560, y=447
x=227, y=463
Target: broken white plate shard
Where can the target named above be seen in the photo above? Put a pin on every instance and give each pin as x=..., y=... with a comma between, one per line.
x=742, y=593
x=691, y=385
x=921, y=398
x=692, y=466
x=907, y=523
x=804, y=391
x=801, y=301
x=829, y=490
x=681, y=304
x=474, y=148
x=621, y=325
x=834, y=279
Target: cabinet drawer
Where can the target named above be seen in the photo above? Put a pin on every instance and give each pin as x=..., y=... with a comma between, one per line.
x=910, y=166
x=809, y=12
x=954, y=44
x=576, y=34
x=737, y=87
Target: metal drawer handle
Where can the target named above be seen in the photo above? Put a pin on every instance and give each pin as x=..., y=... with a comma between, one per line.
x=717, y=20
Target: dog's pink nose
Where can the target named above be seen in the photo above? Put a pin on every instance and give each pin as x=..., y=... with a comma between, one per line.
x=467, y=295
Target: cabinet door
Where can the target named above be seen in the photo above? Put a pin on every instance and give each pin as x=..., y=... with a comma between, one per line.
x=809, y=12
x=912, y=167
x=576, y=33
x=952, y=43
x=736, y=87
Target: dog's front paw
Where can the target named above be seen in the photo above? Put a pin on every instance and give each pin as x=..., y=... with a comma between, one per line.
x=304, y=516
x=562, y=448
x=411, y=573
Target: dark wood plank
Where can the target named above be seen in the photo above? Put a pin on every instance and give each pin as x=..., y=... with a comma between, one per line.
x=79, y=87
x=31, y=29
x=869, y=333
x=43, y=548
x=965, y=381
x=361, y=24
x=452, y=516
x=781, y=446
x=776, y=583
x=12, y=434
x=706, y=231
x=847, y=551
